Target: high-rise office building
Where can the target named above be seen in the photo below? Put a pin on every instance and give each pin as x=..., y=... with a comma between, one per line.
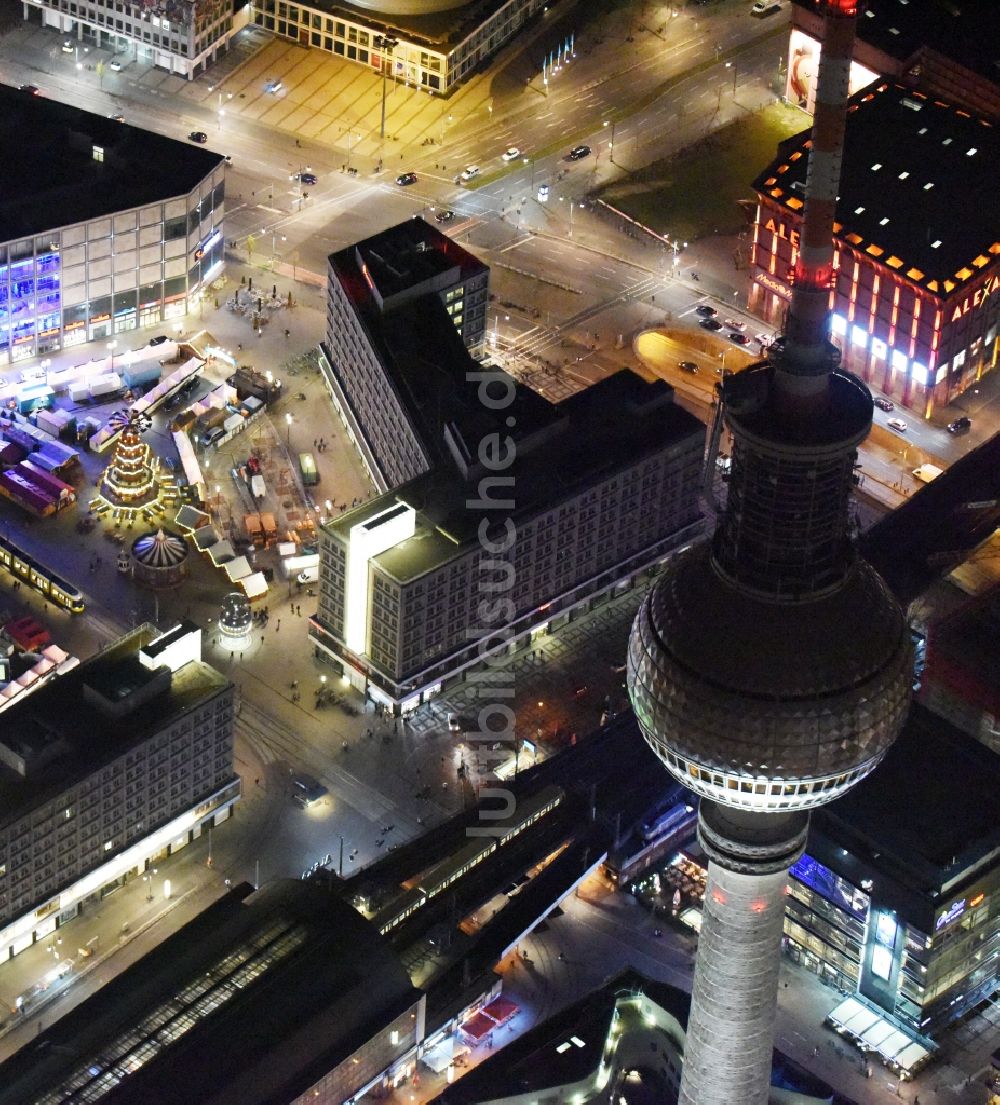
x=105, y=770
x=770, y=669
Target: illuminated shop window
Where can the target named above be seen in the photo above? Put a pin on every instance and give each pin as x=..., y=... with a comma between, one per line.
x=898, y=361
x=859, y=336
x=879, y=348
x=838, y=324
x=918, y=373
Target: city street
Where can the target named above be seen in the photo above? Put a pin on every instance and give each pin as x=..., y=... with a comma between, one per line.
x=574, y=297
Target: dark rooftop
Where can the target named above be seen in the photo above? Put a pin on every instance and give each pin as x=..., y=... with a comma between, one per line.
x=962, y=651
x=566, y=448
x=927, y=814
x=968, y=32
x=567, y=1047
x=910, y=163
x=938, y=526
x=251, y=1003
x=50, y=178
x=77, y=722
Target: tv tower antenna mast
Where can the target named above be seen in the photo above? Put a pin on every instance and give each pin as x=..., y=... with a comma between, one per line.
x=770, y=668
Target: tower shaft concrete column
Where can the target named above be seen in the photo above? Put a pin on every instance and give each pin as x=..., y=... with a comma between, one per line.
x=730, y=1032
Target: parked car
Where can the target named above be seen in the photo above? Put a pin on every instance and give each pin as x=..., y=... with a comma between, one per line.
x=960, y=425
x=884, y=404
x=705, y=311
x=765, y=7
x=115, y=66
x=735, y=324
x=511, y=154
x=68, y=47
x=406, y=178
x=198, y=136
x=688, y=366
x=211, y=435
x=469, y=172
x=896, y=424
x=710, y=324
x=578, y=153
x=158, y=340
x=444, y=216
x=738, y=338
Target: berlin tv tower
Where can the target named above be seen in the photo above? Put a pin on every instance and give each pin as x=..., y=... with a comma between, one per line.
x=770, y=668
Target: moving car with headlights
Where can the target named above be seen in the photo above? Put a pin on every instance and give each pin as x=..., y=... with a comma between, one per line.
x=406, y=178
x=511, y=154
x=469, y=172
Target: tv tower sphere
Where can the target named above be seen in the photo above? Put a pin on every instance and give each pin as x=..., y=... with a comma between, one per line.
x=770, y=669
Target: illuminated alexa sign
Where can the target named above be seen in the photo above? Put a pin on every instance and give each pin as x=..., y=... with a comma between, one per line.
x=367, y=540
x=976, y=299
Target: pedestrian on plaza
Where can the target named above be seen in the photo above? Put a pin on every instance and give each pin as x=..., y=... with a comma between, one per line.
x=250, y=285
x=274, y=290
x=241, y=655
x=278, y=626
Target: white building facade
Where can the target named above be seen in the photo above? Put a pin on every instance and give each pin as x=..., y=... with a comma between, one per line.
x=180, y=37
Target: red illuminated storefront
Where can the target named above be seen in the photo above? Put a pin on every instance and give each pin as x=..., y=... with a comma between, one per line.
x=916, y=302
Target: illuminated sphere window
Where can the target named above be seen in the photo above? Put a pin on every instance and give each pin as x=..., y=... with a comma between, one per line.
x=235, y=620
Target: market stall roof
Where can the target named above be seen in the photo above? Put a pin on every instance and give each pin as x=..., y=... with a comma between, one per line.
x=206, y=537
x=238, y=568
x=190, y=518
x=478, y=1026
x=221, y=553
x=255, y=585
x=501, y=1009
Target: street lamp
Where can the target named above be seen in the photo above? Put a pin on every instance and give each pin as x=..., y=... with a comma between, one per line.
x=111, y=347
x=735, y=68
x=611, y=145
x=385, y=43
x=288, y=435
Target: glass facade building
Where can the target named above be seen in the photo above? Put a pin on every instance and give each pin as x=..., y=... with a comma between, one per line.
x=131, y=270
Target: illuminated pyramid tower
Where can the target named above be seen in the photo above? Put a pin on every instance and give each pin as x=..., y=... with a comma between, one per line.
x=130, y=478
x=770, y=669
x=132, y=484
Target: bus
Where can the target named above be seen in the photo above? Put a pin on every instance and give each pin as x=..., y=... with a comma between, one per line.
x=307, y=467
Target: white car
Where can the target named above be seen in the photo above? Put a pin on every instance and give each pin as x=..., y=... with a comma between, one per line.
x=512, y=154
x=896, y=424
x=543, y=193
x=765, y=7
x=469, y=172
x=115, y=66
x=68, y=47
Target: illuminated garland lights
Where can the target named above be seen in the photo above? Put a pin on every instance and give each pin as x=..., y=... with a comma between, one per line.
x=132, y=484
